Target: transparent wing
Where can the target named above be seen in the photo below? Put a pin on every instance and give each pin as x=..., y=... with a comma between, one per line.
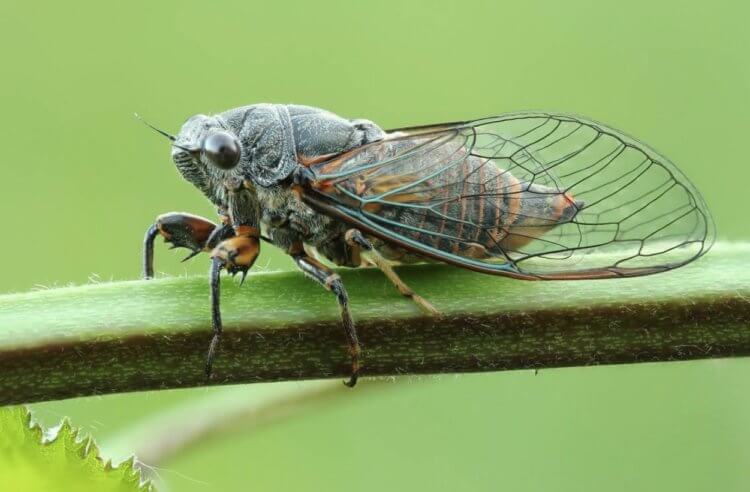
x=531, y=195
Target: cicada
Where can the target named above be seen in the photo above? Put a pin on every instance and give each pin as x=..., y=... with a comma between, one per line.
x=535, y=196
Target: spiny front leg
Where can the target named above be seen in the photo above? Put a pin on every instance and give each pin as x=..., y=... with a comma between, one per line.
x=332, y=282
x=236, y=254
x=182, y=230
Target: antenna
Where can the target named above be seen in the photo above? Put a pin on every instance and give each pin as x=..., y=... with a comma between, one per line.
x=161, y=132
x=171, y=137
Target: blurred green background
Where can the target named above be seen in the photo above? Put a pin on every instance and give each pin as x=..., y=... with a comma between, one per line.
x=81, y=180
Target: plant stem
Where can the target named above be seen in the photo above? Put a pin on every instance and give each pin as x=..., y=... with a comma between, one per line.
x=139, y=335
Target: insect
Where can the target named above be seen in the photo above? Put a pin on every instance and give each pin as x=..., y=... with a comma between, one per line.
x=524, y=195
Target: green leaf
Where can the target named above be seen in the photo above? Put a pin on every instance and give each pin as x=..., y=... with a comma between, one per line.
x=59, y=459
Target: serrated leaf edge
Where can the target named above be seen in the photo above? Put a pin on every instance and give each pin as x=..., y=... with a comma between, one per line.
x=86, y=447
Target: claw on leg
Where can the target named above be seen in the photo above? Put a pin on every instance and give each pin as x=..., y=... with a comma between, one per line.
x=333, y=282
x=237, y=254
x=181, y=230
x=192, y=255
x=352, y=381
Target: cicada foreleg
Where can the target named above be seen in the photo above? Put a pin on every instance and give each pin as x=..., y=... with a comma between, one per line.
x=235, y=254
x=355, y=239
x=182, y=230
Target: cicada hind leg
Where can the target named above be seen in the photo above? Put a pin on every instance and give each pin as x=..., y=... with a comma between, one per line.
x=356, y=239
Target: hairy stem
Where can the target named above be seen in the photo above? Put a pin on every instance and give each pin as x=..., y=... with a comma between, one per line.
x=138, y=335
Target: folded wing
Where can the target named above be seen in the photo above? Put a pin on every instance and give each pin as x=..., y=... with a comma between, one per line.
x=530, y=195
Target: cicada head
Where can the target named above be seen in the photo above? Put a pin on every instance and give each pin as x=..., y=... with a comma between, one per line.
x=206, y=142
x=252, y=142
x=206, y=151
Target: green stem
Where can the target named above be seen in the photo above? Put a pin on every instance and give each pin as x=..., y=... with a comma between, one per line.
x=138, y=335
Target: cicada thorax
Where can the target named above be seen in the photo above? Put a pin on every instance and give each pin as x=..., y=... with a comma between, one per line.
x=461, y=203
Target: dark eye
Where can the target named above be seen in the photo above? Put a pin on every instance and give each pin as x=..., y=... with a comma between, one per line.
x=222, y=150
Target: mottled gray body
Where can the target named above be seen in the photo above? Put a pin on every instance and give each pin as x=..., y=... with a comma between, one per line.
x=274, y=139
x=490, y=204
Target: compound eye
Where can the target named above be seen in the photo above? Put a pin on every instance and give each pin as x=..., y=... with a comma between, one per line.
x=222, y=150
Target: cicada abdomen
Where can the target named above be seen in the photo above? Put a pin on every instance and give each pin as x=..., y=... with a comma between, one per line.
x=531, y=195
